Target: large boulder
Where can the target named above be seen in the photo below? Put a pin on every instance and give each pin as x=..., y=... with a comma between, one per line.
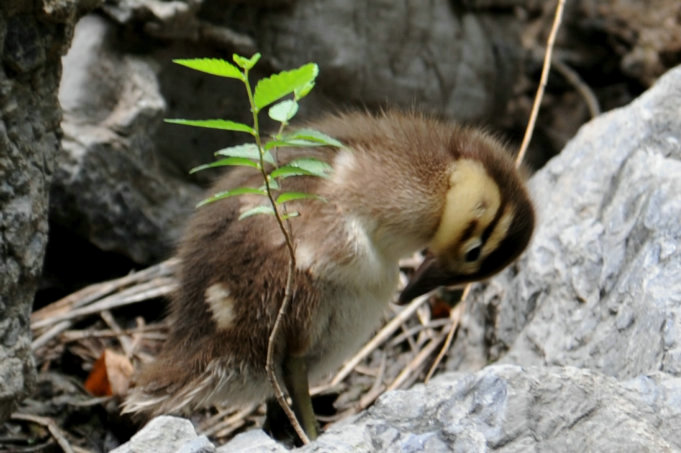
x=599, y=286
x=111, y=184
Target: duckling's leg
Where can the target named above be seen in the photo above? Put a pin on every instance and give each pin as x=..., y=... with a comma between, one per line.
x=295, y=379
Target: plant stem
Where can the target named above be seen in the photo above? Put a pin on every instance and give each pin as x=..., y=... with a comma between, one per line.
x=269, y=364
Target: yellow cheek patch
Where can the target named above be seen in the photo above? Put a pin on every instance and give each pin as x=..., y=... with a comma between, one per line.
x=472, y=196
x=221, y=305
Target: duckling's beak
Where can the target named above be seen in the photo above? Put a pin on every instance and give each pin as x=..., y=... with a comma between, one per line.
x=430, y=274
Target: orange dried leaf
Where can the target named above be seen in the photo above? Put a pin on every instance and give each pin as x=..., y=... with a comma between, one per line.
x=110, y=375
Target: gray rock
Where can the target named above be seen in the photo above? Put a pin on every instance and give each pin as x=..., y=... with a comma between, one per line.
x=110, y=184
x=506, y=408
x=167, y=434
x=33, y=35
x=599, y=285
x=433, y=56
x=252, y=441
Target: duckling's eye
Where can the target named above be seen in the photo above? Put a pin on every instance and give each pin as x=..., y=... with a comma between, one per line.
x=473, y=254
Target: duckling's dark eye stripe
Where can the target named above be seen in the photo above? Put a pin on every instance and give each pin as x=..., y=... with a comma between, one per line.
x=468, y=232
x=493, y=224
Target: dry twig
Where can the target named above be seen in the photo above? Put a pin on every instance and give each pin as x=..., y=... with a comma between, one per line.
x=50, y=425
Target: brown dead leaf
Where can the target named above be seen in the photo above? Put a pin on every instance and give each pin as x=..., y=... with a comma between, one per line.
x=110, y=375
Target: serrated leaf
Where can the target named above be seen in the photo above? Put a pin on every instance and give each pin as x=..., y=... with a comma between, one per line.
x=230, y=161
x=283, y=111
x=275, y=87
x=313, y=136
x=257, y=210
x=231, y=193
x=290, y=196
x=225, y=125
x=248, y=150
x=214, y=66
x=246, y=63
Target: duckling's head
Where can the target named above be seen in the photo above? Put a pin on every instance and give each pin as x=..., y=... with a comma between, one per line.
x=486, y=220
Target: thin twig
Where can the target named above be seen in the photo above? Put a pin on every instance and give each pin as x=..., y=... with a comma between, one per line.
x=542, y=81
x=97, y=291
x=454, y=318
x=269, y=364
x=125, y=342
x=416, y=363
x=379, y=338
x=233, y=421
x=582, y=88
x=377, y=388
x=50, y=425
x=132, y=295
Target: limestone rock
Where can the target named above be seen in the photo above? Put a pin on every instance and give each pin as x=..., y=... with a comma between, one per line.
x=598, y=286
x=167, y=434
x=33, y=36
x=110, y=184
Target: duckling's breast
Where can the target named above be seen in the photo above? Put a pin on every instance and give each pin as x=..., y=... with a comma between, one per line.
x=354, y=294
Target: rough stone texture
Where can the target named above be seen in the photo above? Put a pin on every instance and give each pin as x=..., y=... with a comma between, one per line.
x=598, y=296
x=167, y=434
x=110, y=185
x=432, y=55
x=507, y=408
x=33, y=37
x=599, y=285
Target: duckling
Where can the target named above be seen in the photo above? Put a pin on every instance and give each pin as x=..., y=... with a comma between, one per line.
x=403, y=182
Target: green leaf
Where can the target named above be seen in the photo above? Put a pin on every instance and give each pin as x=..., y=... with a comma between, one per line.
x=246, y=63
x=295, y=143
x=214, y=124
x=230, y=193
x=283, y=111
x=306, y=166
x=290, y=196
x=274, y=185
x=313, y=166
x=257, y=210
x=289, y=215
x=286, y=171
x=303, y=91
x=213, y=66
x=312, y=135
x=277, y=86
x=248, y=150
x=230, y=161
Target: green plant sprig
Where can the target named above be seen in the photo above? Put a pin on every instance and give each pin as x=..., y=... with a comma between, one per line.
x=298, y=83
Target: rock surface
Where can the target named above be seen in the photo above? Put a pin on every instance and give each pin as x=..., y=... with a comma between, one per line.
x=166, y=434
x=33, y=36
x=586, y=326
x=111, y=185
x=599, y=285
